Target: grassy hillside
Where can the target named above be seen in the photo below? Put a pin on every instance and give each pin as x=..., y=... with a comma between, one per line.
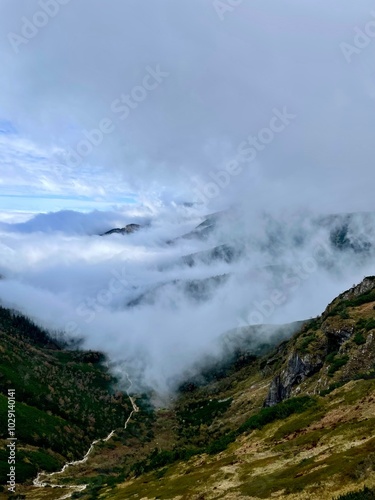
x=64, y=398
x=295, y=423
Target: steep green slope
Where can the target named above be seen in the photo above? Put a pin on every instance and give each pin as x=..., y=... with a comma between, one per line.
x=294, y=423
x=64, y=398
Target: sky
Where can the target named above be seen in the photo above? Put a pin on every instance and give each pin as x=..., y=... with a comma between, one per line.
x=214, y=74
x=159, y=113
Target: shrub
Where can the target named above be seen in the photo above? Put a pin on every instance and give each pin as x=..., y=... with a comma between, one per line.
x=359, y=339
x=159, y=459
x=306, y=341
x=203, y=412
x=365, y=376
x=277, y=412
x=365, y=324
x=330, y=357
x=314, y=324
x=355, y=302
x=337, y=363
x=331, y=388
x=222, y=443
x=362, y=299
x=365, y=494
x=344, y=313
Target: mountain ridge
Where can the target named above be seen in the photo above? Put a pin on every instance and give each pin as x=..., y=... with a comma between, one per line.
x=220, y=438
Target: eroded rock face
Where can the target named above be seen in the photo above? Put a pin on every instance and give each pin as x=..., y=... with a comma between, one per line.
x=365, y=286
x=296, y=370
x=336, y=336
x=277, y=392
x=332, y=333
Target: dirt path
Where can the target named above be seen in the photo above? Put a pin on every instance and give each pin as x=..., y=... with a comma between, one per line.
x=43, y=478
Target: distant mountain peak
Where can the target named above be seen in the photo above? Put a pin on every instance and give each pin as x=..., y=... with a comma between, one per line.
x=128, y=229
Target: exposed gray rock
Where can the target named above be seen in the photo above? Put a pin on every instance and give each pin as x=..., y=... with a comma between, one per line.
x=365, y=286
x=296, y=370
x=337, y=336
x=277, y=392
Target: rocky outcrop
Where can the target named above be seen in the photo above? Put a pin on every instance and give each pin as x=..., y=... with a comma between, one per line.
x=365, y=286
x=334, y=337
x=296, y=370
x=299, y=366
x=336, y=333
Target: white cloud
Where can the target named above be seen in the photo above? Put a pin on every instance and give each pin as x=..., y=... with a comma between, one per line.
x=225, y=77
x=67, y=279
x=28, y=169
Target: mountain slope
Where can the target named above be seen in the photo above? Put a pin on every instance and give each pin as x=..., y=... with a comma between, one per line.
x=64, y=397
x=295, y=422
x=311, y=446
x=224, y=442
x=128, y=229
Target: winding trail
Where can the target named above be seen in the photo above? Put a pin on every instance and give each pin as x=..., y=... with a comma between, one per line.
x=42, y=479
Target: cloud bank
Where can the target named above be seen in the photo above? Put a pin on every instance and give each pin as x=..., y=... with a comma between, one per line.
x=140, y=299
x=222, y=75
x=181, y=109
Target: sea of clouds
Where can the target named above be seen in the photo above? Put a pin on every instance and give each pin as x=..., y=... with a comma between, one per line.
x=58, y=270
x=262, y=106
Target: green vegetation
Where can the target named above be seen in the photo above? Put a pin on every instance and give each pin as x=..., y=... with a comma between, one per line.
x=370, y=375
x=337, y=362
x=344, y=313
x=221, y=443
x=158, y=459
x=314, y=324
x=198, y=417
x=41, y=429
x=359, y=339
x=365, y=324
x=277, y=412
x=365, y=494
x=64, y=398
x=341, y=308
x=263, y=417
x=15, y=323
x=190, y=418
x=29, y=463
x=331, y=388
x=346, y=466
x=365, y=298
x=306, y=341
x=216, y=431
x=203, y=412
x=298, y=422
x=330, y=357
